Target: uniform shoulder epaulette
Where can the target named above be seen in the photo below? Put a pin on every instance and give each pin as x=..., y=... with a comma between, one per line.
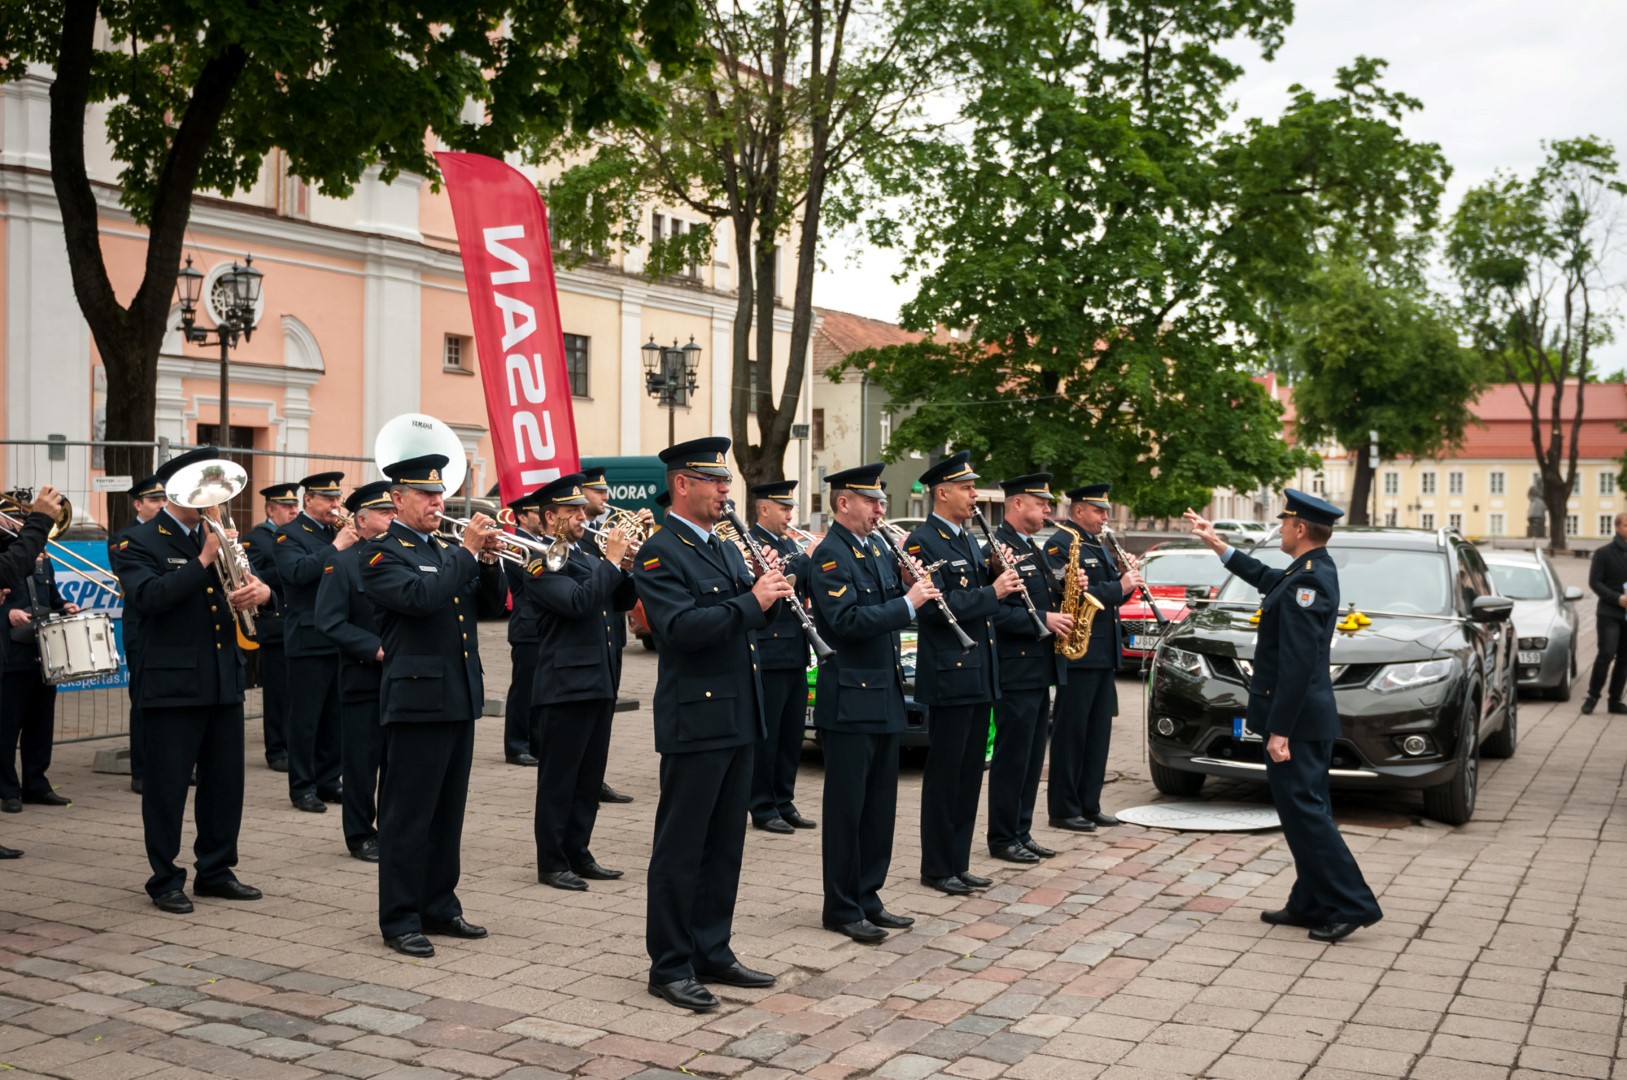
x=439, y=542
x=164, y=532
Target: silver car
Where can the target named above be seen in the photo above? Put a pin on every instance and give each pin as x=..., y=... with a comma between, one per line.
x=1544, y=620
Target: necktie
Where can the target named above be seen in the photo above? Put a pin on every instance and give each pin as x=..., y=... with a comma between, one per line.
x=197, y=538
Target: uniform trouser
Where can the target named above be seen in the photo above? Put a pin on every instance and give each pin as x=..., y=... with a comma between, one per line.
x=27, y=716
x=1612, y=646
x=520, y=733
x=274, y=698
x=860, y=806
x=421, y=803
x=1080, y=736
x=774, y=770
x=365, y=762
x=1020, y=728
x=576, y=745
x=950, y=787
x=313, y=725
x=1329, y=887
x=177, y=737
x=700, y=834
x=138, y=752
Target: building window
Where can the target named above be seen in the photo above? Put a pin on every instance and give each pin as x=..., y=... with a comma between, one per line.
x=1319, y=484
x=1499, y=481
x=1607, y=524
x=1494, y=524
x=658, y=226
x=457, y=354
x=1426, y=521
x=1426, y=483
x=818, y=433
x=1454, y=483
x=576, y=363
x=1607, y=483
x=1392, y=517
x=1573, y=524
x=886, y=429
x=1392, y=483
x=1454, y=522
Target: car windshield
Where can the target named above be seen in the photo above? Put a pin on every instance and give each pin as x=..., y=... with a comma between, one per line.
x=1183, y=568
x=1373, y=579
x=1520, y=582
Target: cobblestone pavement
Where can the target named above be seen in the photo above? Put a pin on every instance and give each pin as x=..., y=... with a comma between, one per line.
x=1133, y=954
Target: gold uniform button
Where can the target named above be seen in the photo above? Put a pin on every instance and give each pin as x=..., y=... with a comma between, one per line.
x=456, y=600
x=708, y=693
x=213, y=608
x=217, y=646
x=210, y=590
x=957, y=663
x=460, y=618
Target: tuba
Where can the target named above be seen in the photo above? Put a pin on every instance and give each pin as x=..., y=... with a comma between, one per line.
x=1078, y=603
x=203, y=486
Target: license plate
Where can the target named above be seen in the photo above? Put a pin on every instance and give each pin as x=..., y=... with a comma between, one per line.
x=1241, y=732
x=1143, y=641
x=1534, y=657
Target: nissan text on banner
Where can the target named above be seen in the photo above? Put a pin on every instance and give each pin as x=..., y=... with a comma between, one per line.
x=508, y=266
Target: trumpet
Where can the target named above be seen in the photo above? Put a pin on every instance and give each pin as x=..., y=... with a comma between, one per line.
x=506, y=546
x=69, y=559
x=804, y=540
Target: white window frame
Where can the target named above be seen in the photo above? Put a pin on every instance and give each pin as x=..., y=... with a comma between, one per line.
x=1498, y=482
x=1392, y=482
x=1495, y=524
x=1573, y=524
x=1454, y=482
x=1426, y=520
x=1426, y=483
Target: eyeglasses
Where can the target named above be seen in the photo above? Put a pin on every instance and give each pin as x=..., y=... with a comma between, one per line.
x=708, y=479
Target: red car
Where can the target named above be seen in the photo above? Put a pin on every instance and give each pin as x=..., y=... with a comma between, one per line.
x=1174, y=575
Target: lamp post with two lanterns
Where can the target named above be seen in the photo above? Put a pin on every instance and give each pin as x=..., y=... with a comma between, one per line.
x=241, y=293
x=670, y=376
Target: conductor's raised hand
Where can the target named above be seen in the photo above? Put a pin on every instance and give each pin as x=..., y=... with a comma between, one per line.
x=47, y=501
x=1204, y=531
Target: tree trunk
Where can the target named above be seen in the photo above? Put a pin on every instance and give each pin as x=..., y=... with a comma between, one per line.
x=1556, y=496
x=1361, y=492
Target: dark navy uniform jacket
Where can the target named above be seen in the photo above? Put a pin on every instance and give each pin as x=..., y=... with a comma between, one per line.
x=944, y=675
x=130, y=633
x=1026, y=661
x=25, y=655
x=859, y=606
x=1291, y=690
x=1106, y=636
x=259, y=544
x=589, y=546
x=346, y=617
x=302, y=549
x=423, y=593
x=784, y=645
x=705, y=621
x=581, y=604
x=189, y=653
x=523, y=613
x=17, y=554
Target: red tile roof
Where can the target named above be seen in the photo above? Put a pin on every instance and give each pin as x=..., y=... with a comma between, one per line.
x=841, y=334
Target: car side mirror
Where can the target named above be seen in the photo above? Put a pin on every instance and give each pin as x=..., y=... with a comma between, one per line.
x=1572, y=593
x=1491, y=609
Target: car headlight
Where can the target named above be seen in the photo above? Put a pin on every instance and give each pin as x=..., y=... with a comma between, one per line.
x=1393, y=677
x=1533, y=643
x=1184, y=661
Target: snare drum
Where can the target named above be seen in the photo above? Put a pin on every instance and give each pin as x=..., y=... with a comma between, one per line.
x=77, y=647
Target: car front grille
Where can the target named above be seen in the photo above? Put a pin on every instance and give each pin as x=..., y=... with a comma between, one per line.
x=1140, y=626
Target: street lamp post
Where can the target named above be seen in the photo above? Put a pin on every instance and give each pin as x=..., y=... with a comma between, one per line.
x=242, y=296
x=670, y=376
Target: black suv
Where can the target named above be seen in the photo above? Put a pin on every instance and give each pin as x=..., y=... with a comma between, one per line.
x=1424, y=676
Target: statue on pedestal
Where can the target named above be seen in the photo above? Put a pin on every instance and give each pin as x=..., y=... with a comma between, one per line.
x=1536, y=514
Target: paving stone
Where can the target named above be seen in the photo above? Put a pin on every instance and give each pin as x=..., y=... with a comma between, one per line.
x=238, y=968
x=163, y=997
x=763, y=1045
x=385, y=996
x=281, y=1049
x=309, y=982
x=223, y=1034
x=219, y=1010
x=346, y=1063
x=286, y=1027
x=372, y=1018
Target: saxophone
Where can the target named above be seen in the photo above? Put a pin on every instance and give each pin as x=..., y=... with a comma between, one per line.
x=1078, y=603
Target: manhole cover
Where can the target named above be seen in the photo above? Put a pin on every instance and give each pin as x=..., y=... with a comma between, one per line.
x=1202, y=816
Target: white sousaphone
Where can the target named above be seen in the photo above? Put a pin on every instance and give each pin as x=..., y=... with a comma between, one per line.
x=413, y=435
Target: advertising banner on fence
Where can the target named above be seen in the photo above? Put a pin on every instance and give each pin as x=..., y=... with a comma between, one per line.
x=76, y=590
x=508, y=266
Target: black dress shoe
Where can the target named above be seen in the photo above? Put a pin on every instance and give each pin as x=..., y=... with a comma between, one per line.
x=864, y=931
x=1073, y=824
x=738, y=974
x=413, y=944
x=888, y=921
x=277, y=763
x=522, y=759
x=610, y=794
x=592, y=871
x=562, y=879
x=11, y=806
x=1014, y=853
x=310, y=804
x=331, y=794
x=1618, y=709
x=1337, y=931
x=1039, y=849
x=174, y=902
x=951, y=885
x=46, y=798
x=367, y=850
x=974, y=881
x=686, y=994
x=1103, y=821
x=797, y=821
x=1589, y=704
x=1284, y=917
x=775, y=825
x=9, y=852
x=230, y=889
x=456, y=926
x=135, y=785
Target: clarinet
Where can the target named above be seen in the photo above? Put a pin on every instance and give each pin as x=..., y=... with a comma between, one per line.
x=1040, y=629
x=822, y=652
x=920, y=573
x=1141, y=590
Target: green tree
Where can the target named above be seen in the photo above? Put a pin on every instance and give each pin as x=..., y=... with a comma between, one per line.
x=201, y=93
x=1530, y=258
x=770, y=139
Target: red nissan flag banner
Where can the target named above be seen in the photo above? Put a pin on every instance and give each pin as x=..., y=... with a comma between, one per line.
x=508, y=266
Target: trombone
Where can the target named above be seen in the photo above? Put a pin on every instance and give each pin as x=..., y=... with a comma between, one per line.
x=66, y=556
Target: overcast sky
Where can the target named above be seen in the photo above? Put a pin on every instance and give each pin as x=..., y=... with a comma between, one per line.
x=1496, y=77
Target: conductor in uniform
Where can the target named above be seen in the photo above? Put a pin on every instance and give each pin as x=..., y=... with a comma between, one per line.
x=147, y=497
x=1029, y=667
x=423, y=590
x=260, y=544
x=302, y=549
x=1086, y=702
x=522, y=743
x=958, y=685
x=860, y=604
x=1291, y=703
x=783, y=650
x=345, y=616
x=191, y=687
x=578, y=667
x=705, y=611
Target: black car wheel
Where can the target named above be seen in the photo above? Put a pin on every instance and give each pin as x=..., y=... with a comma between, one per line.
x=1562, y=692
x=1453, y=802
x=1175, y=782
x=1502, y=742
